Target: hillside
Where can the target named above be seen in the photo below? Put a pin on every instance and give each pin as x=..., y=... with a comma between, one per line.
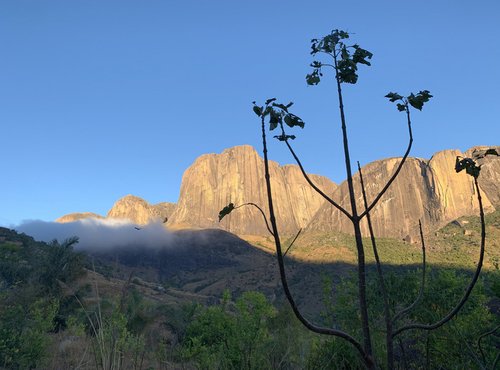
x=152, y=294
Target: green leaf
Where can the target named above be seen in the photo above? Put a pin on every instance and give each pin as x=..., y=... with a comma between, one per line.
x=401, y=107
x=269, y=101
x=293, y=120
x=281, y=106
x=274, y=119
x=469, y=165
x=417, y=101
x=313, y=78
x=347, y=71
x=393, y=97
x=344, y=54
x=257, y=110
x=360, y=55
x=342, y=34
x=285, y=137
x=314, y=46
x=225, y=211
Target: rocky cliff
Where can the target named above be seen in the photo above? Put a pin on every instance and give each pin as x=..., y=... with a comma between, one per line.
x=139, y=211
x=77, y=216
x=131, y=208
x=237, y=175
x=429, y=190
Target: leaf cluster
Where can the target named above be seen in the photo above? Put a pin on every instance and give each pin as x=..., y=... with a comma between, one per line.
x=225, y=211
x=346, y=58
x=417, y=101
x=470, y=166
x=278, y=114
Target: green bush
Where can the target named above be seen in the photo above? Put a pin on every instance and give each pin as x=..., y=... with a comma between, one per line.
x=24, y=334
x=230, y=336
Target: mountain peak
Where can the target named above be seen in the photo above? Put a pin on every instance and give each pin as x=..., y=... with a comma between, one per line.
x=71, y=217
x=236, y=176
x=139, y=211
x=427, y=190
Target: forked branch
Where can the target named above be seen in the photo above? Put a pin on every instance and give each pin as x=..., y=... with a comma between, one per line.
x=309, y=181
x=231, y=207
x=293, y=241
x=484, y=335
x=398, y=169
x=309, y=325
x=473, y=282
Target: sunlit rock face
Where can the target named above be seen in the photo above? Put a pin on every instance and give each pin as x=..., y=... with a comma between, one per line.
x=77, y=216
x=427, y=190
x=140, y=212
x=237, y=175
x=129, y=208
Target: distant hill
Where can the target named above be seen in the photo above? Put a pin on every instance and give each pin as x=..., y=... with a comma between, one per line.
x=77, y=216
x=131, y=208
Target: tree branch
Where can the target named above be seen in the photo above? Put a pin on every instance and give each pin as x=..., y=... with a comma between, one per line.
x=363, y=306
x=318, y=190
x=261, y=211
x=468, y=291
x=317, y=329
x=395, y=174
x=382, y=285
x=490, y=332
x=291, y=244
x=422, y=286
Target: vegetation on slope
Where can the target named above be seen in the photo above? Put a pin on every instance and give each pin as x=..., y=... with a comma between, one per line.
x=58, y=314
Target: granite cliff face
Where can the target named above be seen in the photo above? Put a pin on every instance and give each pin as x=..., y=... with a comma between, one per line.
x=429, y=190
x=131, y=208
x=236, y=175
x=139, y=211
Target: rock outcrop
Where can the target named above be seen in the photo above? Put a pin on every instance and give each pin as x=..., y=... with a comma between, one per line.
x=131, y=208
x=139, y=211
x=237, y=175
x=77, y=216
x=429, y=190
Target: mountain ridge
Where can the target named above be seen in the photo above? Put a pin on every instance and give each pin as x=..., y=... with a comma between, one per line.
x=429, y=190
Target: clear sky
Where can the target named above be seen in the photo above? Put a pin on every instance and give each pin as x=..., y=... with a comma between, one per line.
x=99, y=99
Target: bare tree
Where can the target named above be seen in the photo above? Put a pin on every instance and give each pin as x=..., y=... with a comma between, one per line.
x=344, y=60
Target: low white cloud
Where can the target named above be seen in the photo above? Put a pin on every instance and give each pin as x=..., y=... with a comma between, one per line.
x=96, y=234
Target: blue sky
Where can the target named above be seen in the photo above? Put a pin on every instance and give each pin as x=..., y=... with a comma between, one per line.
x=99, y=99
